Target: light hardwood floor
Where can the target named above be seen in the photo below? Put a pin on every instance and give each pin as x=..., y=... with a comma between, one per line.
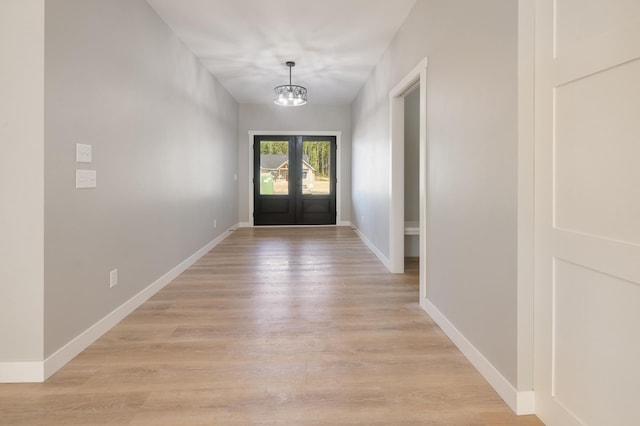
x=295, y=326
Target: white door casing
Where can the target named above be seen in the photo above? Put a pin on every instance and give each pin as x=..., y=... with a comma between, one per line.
x=417, y=76
x=587, y=240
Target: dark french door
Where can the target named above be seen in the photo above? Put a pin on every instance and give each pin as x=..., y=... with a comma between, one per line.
x=294, y=180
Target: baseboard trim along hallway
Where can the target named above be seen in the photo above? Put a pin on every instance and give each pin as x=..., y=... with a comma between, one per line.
x=521, y=402
x=39, y=371
x=381, y=257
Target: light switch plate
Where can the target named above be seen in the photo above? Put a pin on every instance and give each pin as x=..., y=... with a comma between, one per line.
x=86, y=179
x=83, y=153
x=113, y=278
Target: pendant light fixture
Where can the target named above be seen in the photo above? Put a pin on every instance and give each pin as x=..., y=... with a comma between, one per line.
x=290, y=94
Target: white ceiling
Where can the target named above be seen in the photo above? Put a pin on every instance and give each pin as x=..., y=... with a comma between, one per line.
x=245, y=43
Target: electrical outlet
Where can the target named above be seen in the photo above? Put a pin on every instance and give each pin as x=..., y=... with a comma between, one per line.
x=113, y=278
x=215, y=223
x=86, y=179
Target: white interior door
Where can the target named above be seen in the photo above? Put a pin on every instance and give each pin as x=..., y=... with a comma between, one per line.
x=587, y=339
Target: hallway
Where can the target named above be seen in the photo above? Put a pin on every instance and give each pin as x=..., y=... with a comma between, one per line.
x=286, y=326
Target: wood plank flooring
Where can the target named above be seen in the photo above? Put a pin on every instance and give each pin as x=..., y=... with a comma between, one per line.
x=275, y=326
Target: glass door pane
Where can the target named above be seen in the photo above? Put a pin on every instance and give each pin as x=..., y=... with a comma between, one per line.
x=316, y=167
x=274, y=167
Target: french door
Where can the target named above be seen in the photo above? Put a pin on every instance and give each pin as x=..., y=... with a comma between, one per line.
x=294, y=180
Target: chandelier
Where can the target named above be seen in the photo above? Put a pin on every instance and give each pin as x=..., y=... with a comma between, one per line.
x=290, y=94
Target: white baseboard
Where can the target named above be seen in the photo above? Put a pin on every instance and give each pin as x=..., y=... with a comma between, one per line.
x=245, y=225
x=385, y=261
x=39, y=371
x=21, y=372
x=344, y=223
x=526, y=403
x=521, y=402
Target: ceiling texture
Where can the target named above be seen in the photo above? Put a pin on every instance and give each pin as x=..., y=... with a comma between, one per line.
x=245, y=43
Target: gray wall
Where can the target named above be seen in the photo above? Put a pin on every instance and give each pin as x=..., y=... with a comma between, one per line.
x=21, y=179
x=164, y=137
x=472, y=163
x=412, y=169
x=310, y=118
x=412, y=156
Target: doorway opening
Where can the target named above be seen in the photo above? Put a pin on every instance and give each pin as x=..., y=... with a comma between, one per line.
x=294, y=180
x=412, y=175
x=416, y=80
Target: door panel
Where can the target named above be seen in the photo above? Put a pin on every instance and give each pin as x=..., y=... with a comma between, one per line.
x=587, y=208
x=272, y=185
x=316, y=203
x=294, y=180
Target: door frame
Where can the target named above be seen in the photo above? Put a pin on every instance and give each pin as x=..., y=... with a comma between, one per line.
x=524, y=402
x=396, y=163
x=336, y=134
